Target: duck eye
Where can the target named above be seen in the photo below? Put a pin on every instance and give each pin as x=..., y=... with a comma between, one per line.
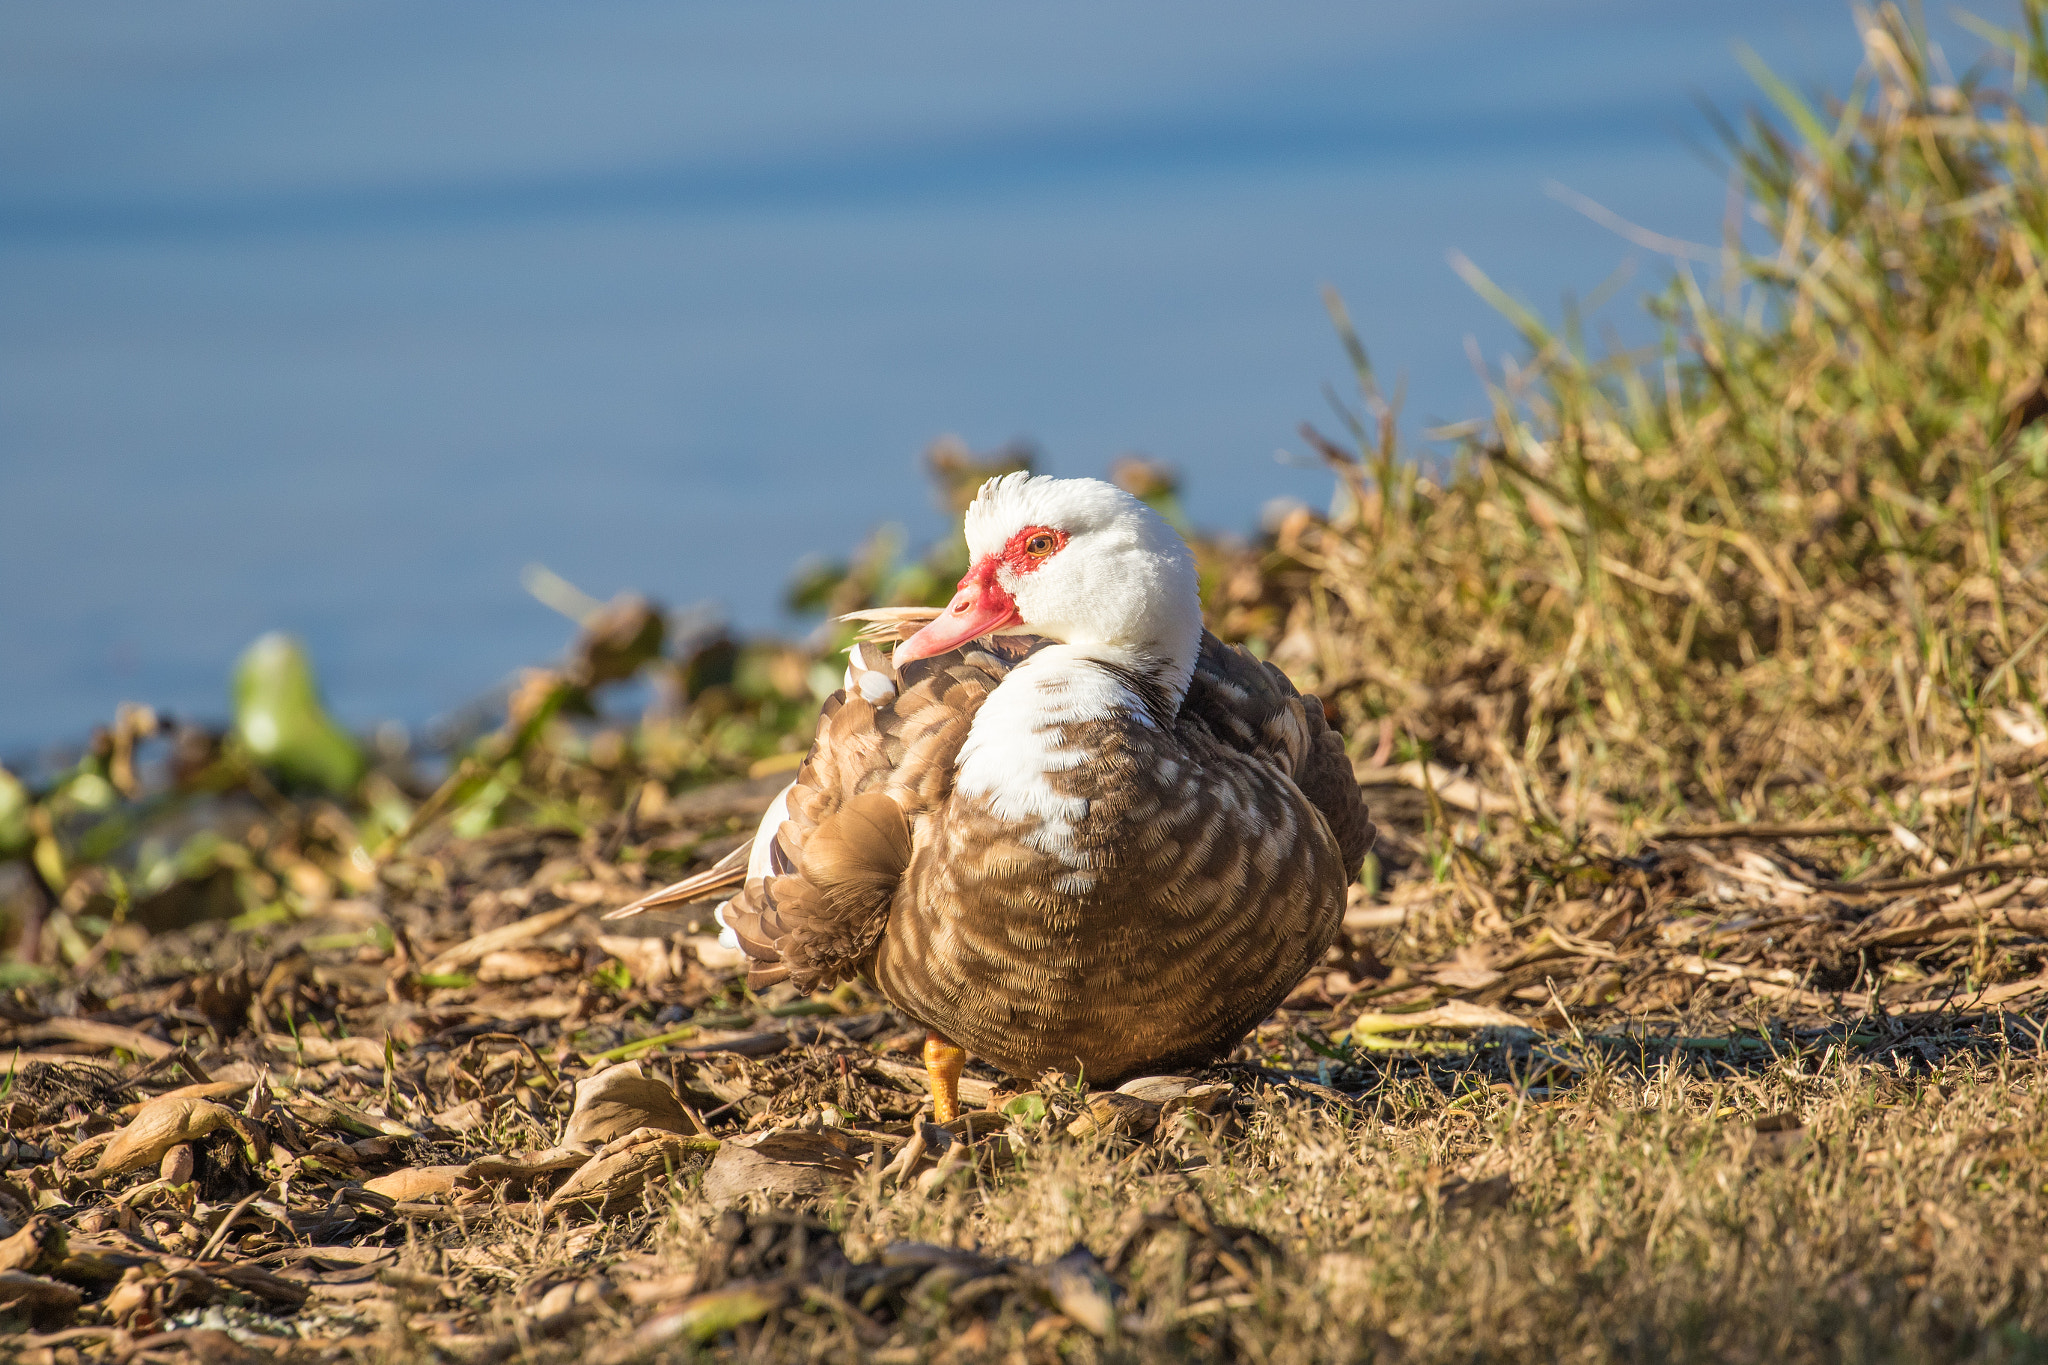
x=1039, y=546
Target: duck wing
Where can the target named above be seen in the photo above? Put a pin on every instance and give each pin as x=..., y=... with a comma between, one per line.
x=1251, y=706
x=884, y=759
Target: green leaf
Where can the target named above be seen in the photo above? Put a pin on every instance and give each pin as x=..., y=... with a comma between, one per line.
x=1523, y=320
x=704, y=1317
x=640, y=1045
x=1028, y=1108
x=1790, y=104
x=446, y=981
x=14, y=807
x=281, y=721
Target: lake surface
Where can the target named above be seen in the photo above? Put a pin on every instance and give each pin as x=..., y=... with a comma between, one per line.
x=329, y=317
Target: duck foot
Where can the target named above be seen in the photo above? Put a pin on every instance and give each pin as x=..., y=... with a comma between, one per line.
x=942, y=1064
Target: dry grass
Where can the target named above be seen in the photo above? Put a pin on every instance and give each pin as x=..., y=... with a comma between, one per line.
x=1787, y=568
x=1637, y=1216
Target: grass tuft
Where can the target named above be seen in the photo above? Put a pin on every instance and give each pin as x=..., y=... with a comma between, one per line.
x=1784, y=565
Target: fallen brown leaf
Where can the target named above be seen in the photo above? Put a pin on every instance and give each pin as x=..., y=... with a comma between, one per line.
x=510, y=936
x=417, y=1183
x=1110, y=1111
x=93, y=1034
x=39, y=1248
x=159, y=1126
x=620, y=1099
x=615, y=1177
x=785, y=1165
x=218, y=1091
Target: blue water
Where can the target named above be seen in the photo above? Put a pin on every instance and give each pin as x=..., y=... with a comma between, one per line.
x=330, y=316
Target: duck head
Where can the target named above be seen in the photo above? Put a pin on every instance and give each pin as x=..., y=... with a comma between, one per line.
x=1079, y=562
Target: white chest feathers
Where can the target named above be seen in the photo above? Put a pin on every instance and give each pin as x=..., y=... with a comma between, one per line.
x=1027, y=730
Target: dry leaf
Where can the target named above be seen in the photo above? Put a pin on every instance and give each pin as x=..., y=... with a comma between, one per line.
x=1080, y=1288
x=41, y=1245
x=1471, y=969
x=131, y=1295
x=510, y=965
x=2024, y=726
x=619, y=1100
x=787, y=1165
x=75, y=1157
x=215, y=1347
x=220, y=1092
x=614, y=1178
x=160, y=1125
x=90, y=1264
x=526, y=1167
x=1362, y=918
x=977, y=1125
x=587, y=1297
x=510, y=936
x=1111, y=1111
x=417, y=1183
x=250, y=1279
x=715, y=955
x=700, y=1319
x=322, y=1112
x=1158, y=1089
x=313, y=1049
x=648, y=959
x=501, y=1004
x=1459, y=1015
x=466, y=1117
x=1173, y=1093
x=764, y=1044
x=419, y=1292
x=92, y=1033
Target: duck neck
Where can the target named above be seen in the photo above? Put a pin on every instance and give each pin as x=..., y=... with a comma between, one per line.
x=1151, y=651
x=1150, y=680
x=1029, y=728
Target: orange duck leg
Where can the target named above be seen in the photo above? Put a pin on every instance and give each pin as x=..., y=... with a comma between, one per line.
x=942, y=1064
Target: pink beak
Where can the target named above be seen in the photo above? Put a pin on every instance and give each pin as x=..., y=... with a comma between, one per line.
x=979, y=608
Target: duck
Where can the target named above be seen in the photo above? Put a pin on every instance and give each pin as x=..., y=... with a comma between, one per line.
x=1062, y=826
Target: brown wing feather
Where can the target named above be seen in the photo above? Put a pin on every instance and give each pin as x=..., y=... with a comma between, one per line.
x=853, y=859
x=1250, y=705
x=727, y=872
x=874, y=770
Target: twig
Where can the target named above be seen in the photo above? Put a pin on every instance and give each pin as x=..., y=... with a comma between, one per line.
x=1949, y=878
x=617, y=840
x=220, y=1233
x=1737, y=830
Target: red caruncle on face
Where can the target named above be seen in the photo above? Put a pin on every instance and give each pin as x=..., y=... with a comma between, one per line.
x=1031, y=547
